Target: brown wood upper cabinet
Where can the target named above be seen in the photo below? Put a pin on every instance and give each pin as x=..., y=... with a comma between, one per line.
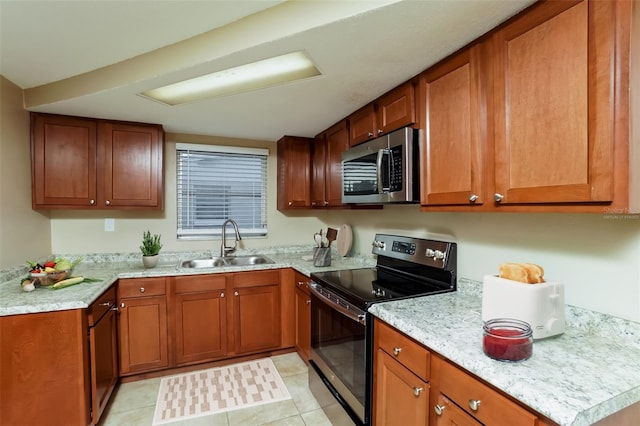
x=389, y=112
x=82, y=163
x=535, y=116
x=294, y=172
x=327, y=166
x=453, y=141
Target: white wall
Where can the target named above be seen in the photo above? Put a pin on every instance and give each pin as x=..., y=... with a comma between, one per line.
x=598, y=258
x=24, y=233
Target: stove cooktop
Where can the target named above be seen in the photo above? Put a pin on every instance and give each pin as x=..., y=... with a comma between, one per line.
x=406, y=267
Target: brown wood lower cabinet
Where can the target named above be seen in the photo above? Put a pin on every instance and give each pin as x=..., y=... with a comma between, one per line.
x=142, y=325
x=303, y=316
x=256, y=311
x=402, y=398
x=58, y=368
x=200, y=318
x=401, y=388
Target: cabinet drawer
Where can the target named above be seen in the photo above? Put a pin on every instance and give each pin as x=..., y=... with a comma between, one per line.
x=141, y=287
x=493, y=408
x=102, y=304
x=405, y=350
x=250, y=279
x=199, y=283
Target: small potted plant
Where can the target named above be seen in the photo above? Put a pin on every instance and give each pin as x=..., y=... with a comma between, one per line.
x=150, y=248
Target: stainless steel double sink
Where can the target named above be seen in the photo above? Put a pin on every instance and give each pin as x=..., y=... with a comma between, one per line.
x=225, y=261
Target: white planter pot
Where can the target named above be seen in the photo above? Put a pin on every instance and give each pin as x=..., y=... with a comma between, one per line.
x=150, y=261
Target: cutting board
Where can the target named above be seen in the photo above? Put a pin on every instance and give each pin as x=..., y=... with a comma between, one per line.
x=344, y=240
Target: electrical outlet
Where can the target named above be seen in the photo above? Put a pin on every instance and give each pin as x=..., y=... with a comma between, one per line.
x=109, y=225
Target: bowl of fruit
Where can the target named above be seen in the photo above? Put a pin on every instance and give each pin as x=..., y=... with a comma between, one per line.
x=52, y=271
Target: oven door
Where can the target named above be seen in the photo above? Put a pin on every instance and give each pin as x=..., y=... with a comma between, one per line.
x=341, y=350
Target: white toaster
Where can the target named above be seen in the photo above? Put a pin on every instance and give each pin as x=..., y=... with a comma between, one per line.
x=541, y=305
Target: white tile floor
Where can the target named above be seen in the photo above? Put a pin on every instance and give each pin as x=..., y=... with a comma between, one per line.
x=134, y=403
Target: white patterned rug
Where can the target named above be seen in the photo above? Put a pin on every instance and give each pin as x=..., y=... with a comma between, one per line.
x=206, y=392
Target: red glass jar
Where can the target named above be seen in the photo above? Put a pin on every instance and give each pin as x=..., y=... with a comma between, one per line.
x=507, y=339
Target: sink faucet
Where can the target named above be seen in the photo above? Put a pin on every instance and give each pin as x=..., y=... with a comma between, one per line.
x=224, y=250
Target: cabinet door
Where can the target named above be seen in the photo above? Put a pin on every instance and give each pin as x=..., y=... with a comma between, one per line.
x=143, y=334
x=130, y=165
x=303, y=318
x=63, y=161
x=449, y=414
x=200, y=318
x=452, y=150
x=337, y=143
x=362, y=125
x=256, y=311
x=294, y=173
x=396, y=109
x=103, y=347
x=318, y=171
x=554, y=92
x=401, y=397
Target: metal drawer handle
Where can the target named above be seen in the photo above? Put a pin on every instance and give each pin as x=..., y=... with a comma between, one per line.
x=417, y=391
x=396, y=351
x=104, y=304
x=474, y=404
x=439, y=409
x=141, y=289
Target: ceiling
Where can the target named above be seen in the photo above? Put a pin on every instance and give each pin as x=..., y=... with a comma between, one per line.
x=91, y=58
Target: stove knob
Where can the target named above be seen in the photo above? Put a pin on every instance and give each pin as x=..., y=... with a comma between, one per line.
x=430, y=253
x=438, y=255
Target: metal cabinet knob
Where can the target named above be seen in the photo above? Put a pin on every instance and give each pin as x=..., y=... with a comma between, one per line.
x=221, y=294
x=370, y=134
x=308, y=301
x=92, y=202
x=122, y=305
x=417, y=391
x=141, y=289
x=313, y=203
x=498, y=197
x=235, y=293
x=108, y=203
x=473, y=198
x=300, y=283
x=326, y=203
x=439, y=409
x=396, y=351
x=474, y=404
x=379, y=132
x=290, y=202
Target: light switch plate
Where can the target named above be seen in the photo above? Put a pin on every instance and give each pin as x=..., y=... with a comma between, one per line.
x=109, y=225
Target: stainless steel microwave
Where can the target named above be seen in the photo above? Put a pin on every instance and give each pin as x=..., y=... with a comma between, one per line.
x=383, y=170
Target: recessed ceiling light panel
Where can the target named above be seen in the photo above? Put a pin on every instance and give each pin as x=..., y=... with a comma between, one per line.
x=245, y=78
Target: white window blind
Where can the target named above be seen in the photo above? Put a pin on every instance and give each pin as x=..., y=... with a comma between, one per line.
x=216, y=183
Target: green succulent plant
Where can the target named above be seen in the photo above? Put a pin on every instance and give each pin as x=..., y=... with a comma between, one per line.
x=150, y=245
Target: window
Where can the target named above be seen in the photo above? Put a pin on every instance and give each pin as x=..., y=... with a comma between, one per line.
x=216, y=183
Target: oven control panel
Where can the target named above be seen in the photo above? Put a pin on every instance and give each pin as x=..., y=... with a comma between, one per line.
x=404, y=248
x=439, y=254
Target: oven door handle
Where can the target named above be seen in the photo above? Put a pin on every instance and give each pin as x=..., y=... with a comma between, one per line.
x=354, y=315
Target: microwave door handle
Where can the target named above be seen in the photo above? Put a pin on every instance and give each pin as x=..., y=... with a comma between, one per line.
x=381, y=153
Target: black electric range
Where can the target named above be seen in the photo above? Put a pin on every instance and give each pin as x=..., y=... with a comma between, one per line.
x=341, y=360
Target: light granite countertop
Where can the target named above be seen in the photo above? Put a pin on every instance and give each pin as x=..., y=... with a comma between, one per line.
x=589, y=372
x=110, y=267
